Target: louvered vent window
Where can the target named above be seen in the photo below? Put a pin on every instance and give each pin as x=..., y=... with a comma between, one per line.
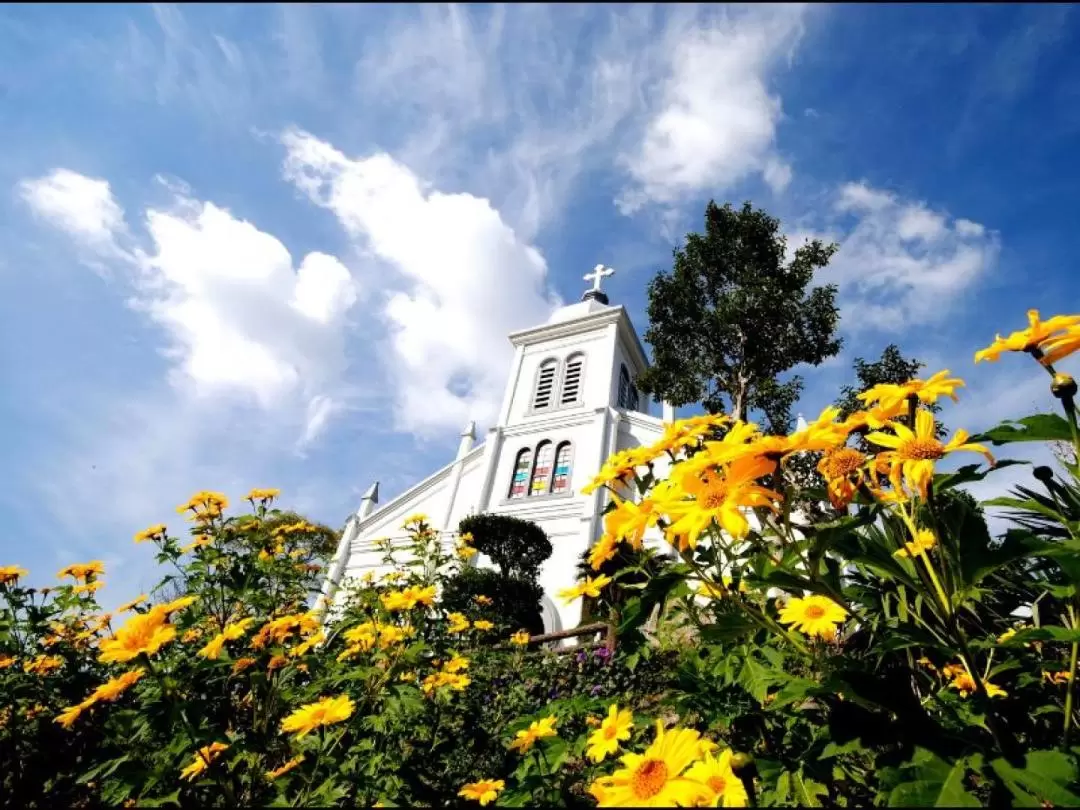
x=571, y=388
x=545, y=386
x=624, y=387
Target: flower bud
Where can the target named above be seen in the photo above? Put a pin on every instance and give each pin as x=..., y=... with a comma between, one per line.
x=740, y=761
x=1063, y=386
x=1043, y=473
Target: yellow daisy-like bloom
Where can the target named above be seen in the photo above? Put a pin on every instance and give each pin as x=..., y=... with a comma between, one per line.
x=11, y=573
x=204, y=506
x=134, y=603
x=437, y=680
x=279, y=629
x=83, y=570
x=43, y=664
x=537, y=730
x=201, y=541
x=615, y=728
x=68, y=716
x=1061, y=346
x=842, y=469
x=176, y=604
x=603, y=550
x=480, y=599
x=395, y=601
x=321, y=713
x=87, y=587
x=915, y=452
x=823, y=434
x=276, y=662
x=1057, y=678
x=284, y=769
x=629, y=521
x=230, y=632
x=194, y=634
x=965, y=684
x=415, y=520
x=7, y=661
x=722, y=497
x=655, y=778
x=242, y=664
x=923, y=542
x=465, y=552
x=421, y=596
x=520, y=638
x=718, y=776
x=590, y=587
x=407, y=677
x=484, y=791
x=113, y=688
x=203, y=758
x=458, y=623
x=143, y=633
x=814, y=615
x=1027, y=340
x=262, y=494
x=620, y=467
x=456, y=664
x=890, y=395
x=484, y=625
x=157, y=530
x=306, y=646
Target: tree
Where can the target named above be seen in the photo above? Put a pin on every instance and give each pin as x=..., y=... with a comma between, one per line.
x=734, y=313
x=892, y=368
x=518, y=547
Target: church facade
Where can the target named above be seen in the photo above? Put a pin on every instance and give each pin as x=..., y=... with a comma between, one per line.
x=570, y=402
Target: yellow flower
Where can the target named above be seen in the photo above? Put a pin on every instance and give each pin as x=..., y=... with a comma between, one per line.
x=815, y=615
x=11, y=573
x=890, y=395
x=68, y=716
x=1061, y=346
x=43, y=664
x=176, y=604
x=629, y=521
x=915, y=452
x=1057, y=678
x=726, y=789
x=417, y=519
x=204, y=506
x=458, y=623
x=619, y=467
x=321, y=713
x=1027, y=340
x=242, y=664
x=923, y=542
x=421, y=596
x=194, y=634
x=394, y=601
x=407, y=677
x=456, y=664
x=537, y=730
x=199, y=541
x=112, y=689
x=521, y=638
x=262, y=494
x=966, y=685
x=590, y=587
x=465, y=552
x=480, y=599
x=143, y=633
x=306, y=646
x=87, y=587
x=7, y=661
x=484, y=625
x=484, y=791
x=279, y=629
x=83, y=570
x=842, y=470
x=603, y=550
x=284, y=769
x=614, y=728
x=157, y=530
x=655, y=778
x=722, y=497
x=276, y=662
x=138, y=600
x=203, y=758
x=231, y=632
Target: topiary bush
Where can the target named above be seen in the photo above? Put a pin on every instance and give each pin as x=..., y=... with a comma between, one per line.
x=515, y=602
x=518, y=547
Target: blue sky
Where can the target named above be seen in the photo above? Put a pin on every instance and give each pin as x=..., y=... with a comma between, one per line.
x=282, y=245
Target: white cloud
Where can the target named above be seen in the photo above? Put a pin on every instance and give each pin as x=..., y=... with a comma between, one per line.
x=461, y=280
x=715, y=122
x=81, y=206
x=901, y=264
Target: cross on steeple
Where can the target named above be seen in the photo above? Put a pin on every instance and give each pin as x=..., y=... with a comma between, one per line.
x=598, y=274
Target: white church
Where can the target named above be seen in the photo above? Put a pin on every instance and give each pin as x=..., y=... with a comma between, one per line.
x=570, y=403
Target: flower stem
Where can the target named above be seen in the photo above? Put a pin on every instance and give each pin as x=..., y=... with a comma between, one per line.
x=1069, y=689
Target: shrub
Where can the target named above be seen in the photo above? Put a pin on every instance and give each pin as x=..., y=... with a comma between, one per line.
x=518, y=547
x=515, y=602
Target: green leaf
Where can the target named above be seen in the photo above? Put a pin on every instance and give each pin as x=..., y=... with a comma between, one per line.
x=807, y=790
x=728, y=627
x=1047, y=633
x=933, y=782
x=161, y=801
x=1042, y=779
x=1043, y=427
x=755, y=679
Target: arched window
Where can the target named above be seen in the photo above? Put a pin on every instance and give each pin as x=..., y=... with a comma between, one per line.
x=545, y=385
x=541, y=476
x=520, y=482
x=572, y=379
x=632, y=401
x=561, y=481
x=624, y=386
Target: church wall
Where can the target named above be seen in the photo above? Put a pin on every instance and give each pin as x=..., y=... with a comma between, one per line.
x=595, y=344
x=624, y=356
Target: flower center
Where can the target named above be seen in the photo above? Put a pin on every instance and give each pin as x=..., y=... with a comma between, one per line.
x=815, y=612
x=717, y=784
x=843, y=462
x=920, y=448
x=649, y=779
x=714, y=496
x=610, y=732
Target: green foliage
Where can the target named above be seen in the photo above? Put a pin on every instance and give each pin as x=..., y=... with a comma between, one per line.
x=734, y=314
x=515, y=602
x=518, y=547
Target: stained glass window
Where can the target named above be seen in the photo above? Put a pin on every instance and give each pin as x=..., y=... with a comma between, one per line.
x=520, y=482
x=542, y=471
x=561, y=481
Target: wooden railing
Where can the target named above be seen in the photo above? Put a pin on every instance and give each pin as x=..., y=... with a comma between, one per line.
x=608, y=641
